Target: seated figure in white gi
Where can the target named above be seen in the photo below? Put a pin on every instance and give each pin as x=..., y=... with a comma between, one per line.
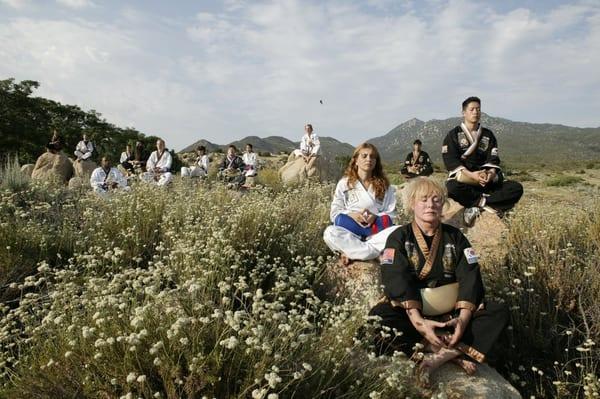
x=200, y=169
x=250, y=161
x=363, y=206
x=158, y=166
x=310, y=146
x=84, y=149
x=106, y=178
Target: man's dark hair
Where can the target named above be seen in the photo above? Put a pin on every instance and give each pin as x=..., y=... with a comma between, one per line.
x=232, y=146
x=201, y=148
x=417, y=141
x=469, y=100
x=249, y=145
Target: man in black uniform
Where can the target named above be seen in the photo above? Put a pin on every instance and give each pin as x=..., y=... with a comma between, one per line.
x=417, y=162
x=470, y=153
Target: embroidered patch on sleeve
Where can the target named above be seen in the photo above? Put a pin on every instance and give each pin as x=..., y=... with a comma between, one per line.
x=494, y=152
x=444, y=149
x=470, y=255
x=387, y=257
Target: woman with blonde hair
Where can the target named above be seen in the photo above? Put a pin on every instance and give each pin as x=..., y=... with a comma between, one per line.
x=434, y=292
x=363, y=206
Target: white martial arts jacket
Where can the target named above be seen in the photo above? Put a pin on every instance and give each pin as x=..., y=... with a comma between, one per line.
x=203, y=162
x=99, y=178
x=249, y=159
x=83, y=148
x=163, y=162
x=125, y=156
x=347, y=200
x=310, y=145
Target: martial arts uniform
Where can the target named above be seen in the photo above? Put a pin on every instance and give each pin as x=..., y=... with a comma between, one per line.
x=125, y=161
x=473, y=151
x=421, y=162
x=231, y=170
x=346, y=200
x=412, y=261
x=198, y=170
x=163, y=163
x=55, y=144
x=309, y=145
x=84, y=150
x=101, y=180
x=250, y=163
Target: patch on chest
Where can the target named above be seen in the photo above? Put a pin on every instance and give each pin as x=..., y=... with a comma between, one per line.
x=462, y=140
x=351, y=197
x=484, y=143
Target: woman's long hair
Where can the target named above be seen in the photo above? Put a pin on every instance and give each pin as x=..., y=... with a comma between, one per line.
x=379, y=180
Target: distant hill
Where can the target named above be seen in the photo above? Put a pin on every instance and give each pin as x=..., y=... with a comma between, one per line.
x=517, y=141
x=276, y=144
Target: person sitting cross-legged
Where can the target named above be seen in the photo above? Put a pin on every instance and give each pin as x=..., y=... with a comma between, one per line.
x=417, y=162
x=231, y=169
x=158, y=166
x=200, y=168
x=105, y=178
x=363, y=208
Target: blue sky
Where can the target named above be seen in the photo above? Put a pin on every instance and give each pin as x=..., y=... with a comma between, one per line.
x=224, y=70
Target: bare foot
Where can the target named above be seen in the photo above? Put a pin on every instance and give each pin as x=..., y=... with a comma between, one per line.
x=345, y=260
x=469, y=367
x=431, y=362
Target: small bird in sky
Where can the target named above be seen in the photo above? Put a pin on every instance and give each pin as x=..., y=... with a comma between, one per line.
x=321, y=101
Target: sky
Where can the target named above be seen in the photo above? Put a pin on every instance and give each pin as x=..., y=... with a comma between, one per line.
x=223, y=70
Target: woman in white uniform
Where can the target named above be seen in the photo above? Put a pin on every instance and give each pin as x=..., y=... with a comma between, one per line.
x=250, y=161
x=363, y=206
x=200, y=169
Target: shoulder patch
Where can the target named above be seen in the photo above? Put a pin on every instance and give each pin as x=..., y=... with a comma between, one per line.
x=470, y=255
x=444, y=149
x=494, y=152
x=387, y=257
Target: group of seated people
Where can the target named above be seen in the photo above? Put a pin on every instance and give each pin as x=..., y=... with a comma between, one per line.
x=433, y=290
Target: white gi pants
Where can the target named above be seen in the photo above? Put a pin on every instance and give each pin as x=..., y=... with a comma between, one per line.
x=193, y=171
x=340, y=240
x=81, y=155
x=163, y=178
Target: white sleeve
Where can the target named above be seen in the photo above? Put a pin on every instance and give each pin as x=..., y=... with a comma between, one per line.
x=389, y=203
x=316, y=145
x=90, y=147
x=304, y=144
x=168, y=161
x=204, y=162
x=96, y=179
x=119, y=178
x=123, y=157
x=338, y=205
x=151, y=162
x=80, y=147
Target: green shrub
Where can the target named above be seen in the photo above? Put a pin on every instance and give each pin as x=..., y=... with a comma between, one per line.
x=562, y=180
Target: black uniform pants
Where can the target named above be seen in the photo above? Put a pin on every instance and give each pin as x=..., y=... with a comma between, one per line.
x=485, y=327
x=501, y=196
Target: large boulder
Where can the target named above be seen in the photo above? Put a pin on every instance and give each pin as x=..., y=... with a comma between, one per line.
x=84, y=168
x=360, y=281
x=76, y=183
x=27, y=169
x=487, y=235
x=485, y=383
x=50, y=166
x=298, y=171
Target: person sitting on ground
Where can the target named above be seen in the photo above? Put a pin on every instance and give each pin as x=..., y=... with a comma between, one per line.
x=310, y=146
x=56, y=143
x=158, y=167
x=200, y=169
x=363, y=208
x=475, y=181
x=106, y=178
x=433, y=288
x=231, y=168
x=417, y=162
x=126, y=157
x=250, y=161
x=139, y=158
x=84, y=149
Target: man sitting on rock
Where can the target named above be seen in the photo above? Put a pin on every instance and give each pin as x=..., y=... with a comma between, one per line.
x=417, y=162
x=84, y=149
x=470, y=153
x=106, y=178
x=126, y=157
x=200, y=169
x=231, y=169
x=310, y=146
x=56, y=144
x=158, y=167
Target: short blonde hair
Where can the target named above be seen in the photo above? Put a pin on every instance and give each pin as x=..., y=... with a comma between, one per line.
x=421, y=187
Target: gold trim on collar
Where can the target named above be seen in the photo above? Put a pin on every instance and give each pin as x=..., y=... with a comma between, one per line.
x=429, y=255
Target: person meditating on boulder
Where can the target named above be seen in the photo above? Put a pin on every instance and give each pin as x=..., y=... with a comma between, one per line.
x=106, y=178
x=417, y=162
x=200, y=169
x=158, y=167
x=433, y=288
x=56, y=143
x=363, y=208
x=310, y=147
x=231, y=169
x=84, y=149
x=475, y=181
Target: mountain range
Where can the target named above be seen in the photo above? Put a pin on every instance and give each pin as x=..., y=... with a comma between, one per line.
x=519, y=142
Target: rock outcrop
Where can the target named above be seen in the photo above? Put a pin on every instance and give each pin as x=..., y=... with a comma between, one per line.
x=485, y=383
x=298, y=171
x=50, y=166
x=27, y=169
x=84, y=168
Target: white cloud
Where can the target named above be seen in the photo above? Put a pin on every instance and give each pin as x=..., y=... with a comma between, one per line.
x=76, y=3
x=16, y=4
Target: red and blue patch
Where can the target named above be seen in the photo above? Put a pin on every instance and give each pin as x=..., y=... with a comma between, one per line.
x=387, y=257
